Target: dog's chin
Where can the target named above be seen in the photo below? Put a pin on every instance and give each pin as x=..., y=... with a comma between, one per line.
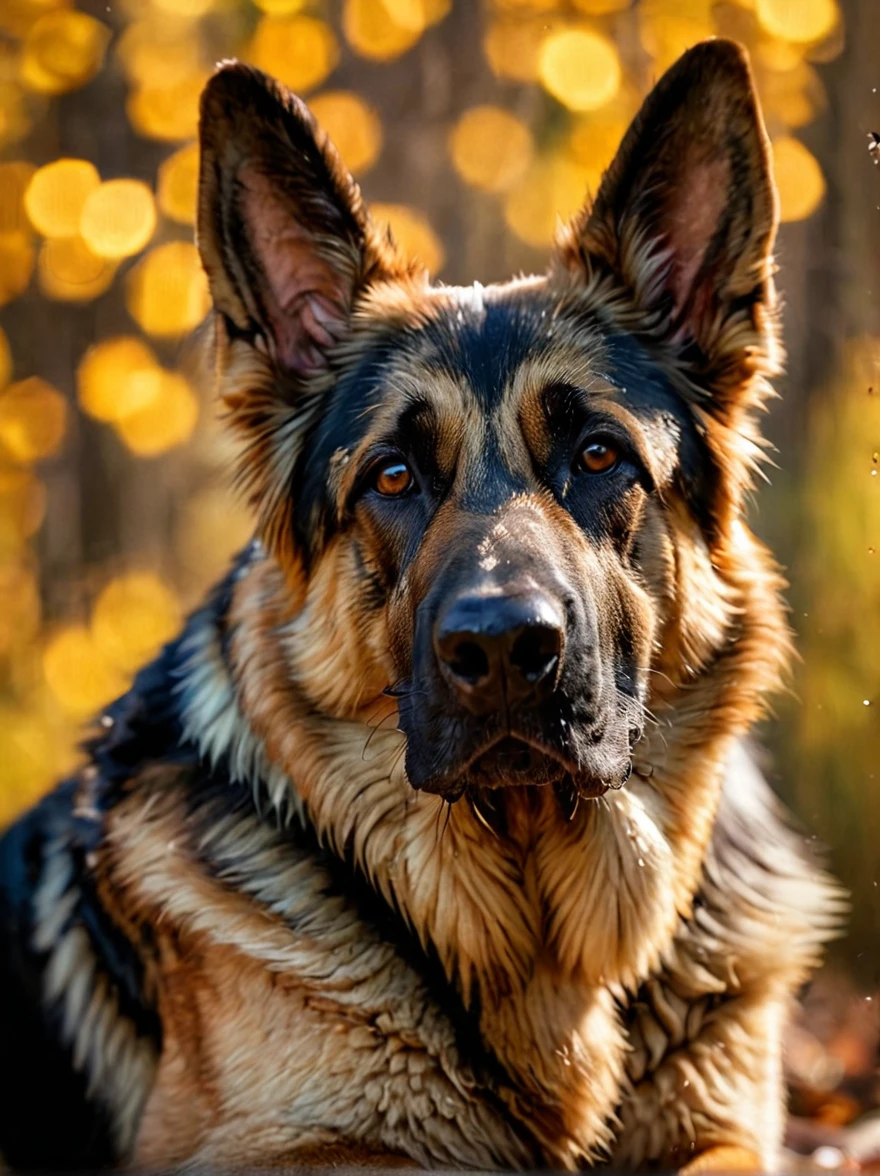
x=516, y=763
x=512, y=765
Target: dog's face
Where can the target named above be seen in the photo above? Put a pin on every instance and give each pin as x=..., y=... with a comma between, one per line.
x=484, y=499
x=498, y=469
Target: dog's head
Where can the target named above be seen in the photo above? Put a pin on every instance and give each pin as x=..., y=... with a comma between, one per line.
x=511, y=509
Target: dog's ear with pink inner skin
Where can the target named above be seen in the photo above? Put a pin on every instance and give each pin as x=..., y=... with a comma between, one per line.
x=691, y=182
x=283, y=233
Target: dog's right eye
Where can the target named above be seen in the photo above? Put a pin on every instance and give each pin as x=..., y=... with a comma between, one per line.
x=598, y=456
x=392, y=479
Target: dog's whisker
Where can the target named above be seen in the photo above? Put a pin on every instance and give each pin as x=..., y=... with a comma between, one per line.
x=380, y=726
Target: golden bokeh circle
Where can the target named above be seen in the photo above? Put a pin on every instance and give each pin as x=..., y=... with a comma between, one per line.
x=69, y=271
x=114, y=378
x=118, y=218
x=372, y=31
x=168, y=111
x=62, y=51
x=167, y=291
x=490, y=148
x=580, y=68
x=165, y=421
x=353, y=126
x=157, y=52
x=33, y=419
x=299, y=51
x=797, y=20
x=799, y=179
x=56, y=194
x=133, y=616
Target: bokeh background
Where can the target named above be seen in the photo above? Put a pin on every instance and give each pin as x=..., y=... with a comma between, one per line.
x=472, y=125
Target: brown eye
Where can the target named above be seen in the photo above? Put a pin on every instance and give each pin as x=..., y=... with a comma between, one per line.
x=393, y=479
x=598, y=457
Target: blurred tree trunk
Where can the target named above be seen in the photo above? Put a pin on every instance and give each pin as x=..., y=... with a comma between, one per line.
x=853, y=82
x=830, y=263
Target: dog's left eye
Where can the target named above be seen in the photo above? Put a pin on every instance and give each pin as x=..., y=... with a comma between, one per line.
x=393, y=479
x=598, y=457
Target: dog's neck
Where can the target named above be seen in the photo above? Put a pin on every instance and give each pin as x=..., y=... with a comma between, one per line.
x=539, y=929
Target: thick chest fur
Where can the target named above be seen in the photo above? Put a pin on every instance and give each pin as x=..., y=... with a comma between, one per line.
x=198, y=985
x=262, y=1062
x=298, y=1015
x=289, y=1021
x=206, y=985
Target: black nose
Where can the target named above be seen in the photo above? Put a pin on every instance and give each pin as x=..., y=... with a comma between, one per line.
x=498, y=651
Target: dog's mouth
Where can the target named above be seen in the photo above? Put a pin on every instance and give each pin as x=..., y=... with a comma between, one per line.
x=515, y=761
x=510, y=761
x=578, y=757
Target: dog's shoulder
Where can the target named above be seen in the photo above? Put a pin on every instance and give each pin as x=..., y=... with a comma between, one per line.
x=766, y=903
x=764, y=908
x=72, y=994
x=39, y=1066
x=79, y=1031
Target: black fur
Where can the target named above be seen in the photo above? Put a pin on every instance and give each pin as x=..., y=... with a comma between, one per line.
x=47, y=1119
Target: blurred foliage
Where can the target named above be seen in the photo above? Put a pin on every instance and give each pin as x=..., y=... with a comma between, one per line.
x=830, y=731
x=108, y=529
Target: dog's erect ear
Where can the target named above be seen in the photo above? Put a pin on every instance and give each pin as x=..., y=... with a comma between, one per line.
x=686, y=214
x=282, y=229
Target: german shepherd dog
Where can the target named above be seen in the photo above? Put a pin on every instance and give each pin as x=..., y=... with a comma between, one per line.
x=434, y=838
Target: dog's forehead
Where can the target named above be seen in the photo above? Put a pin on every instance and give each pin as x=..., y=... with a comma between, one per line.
x=496, y=342
x=478, y=359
